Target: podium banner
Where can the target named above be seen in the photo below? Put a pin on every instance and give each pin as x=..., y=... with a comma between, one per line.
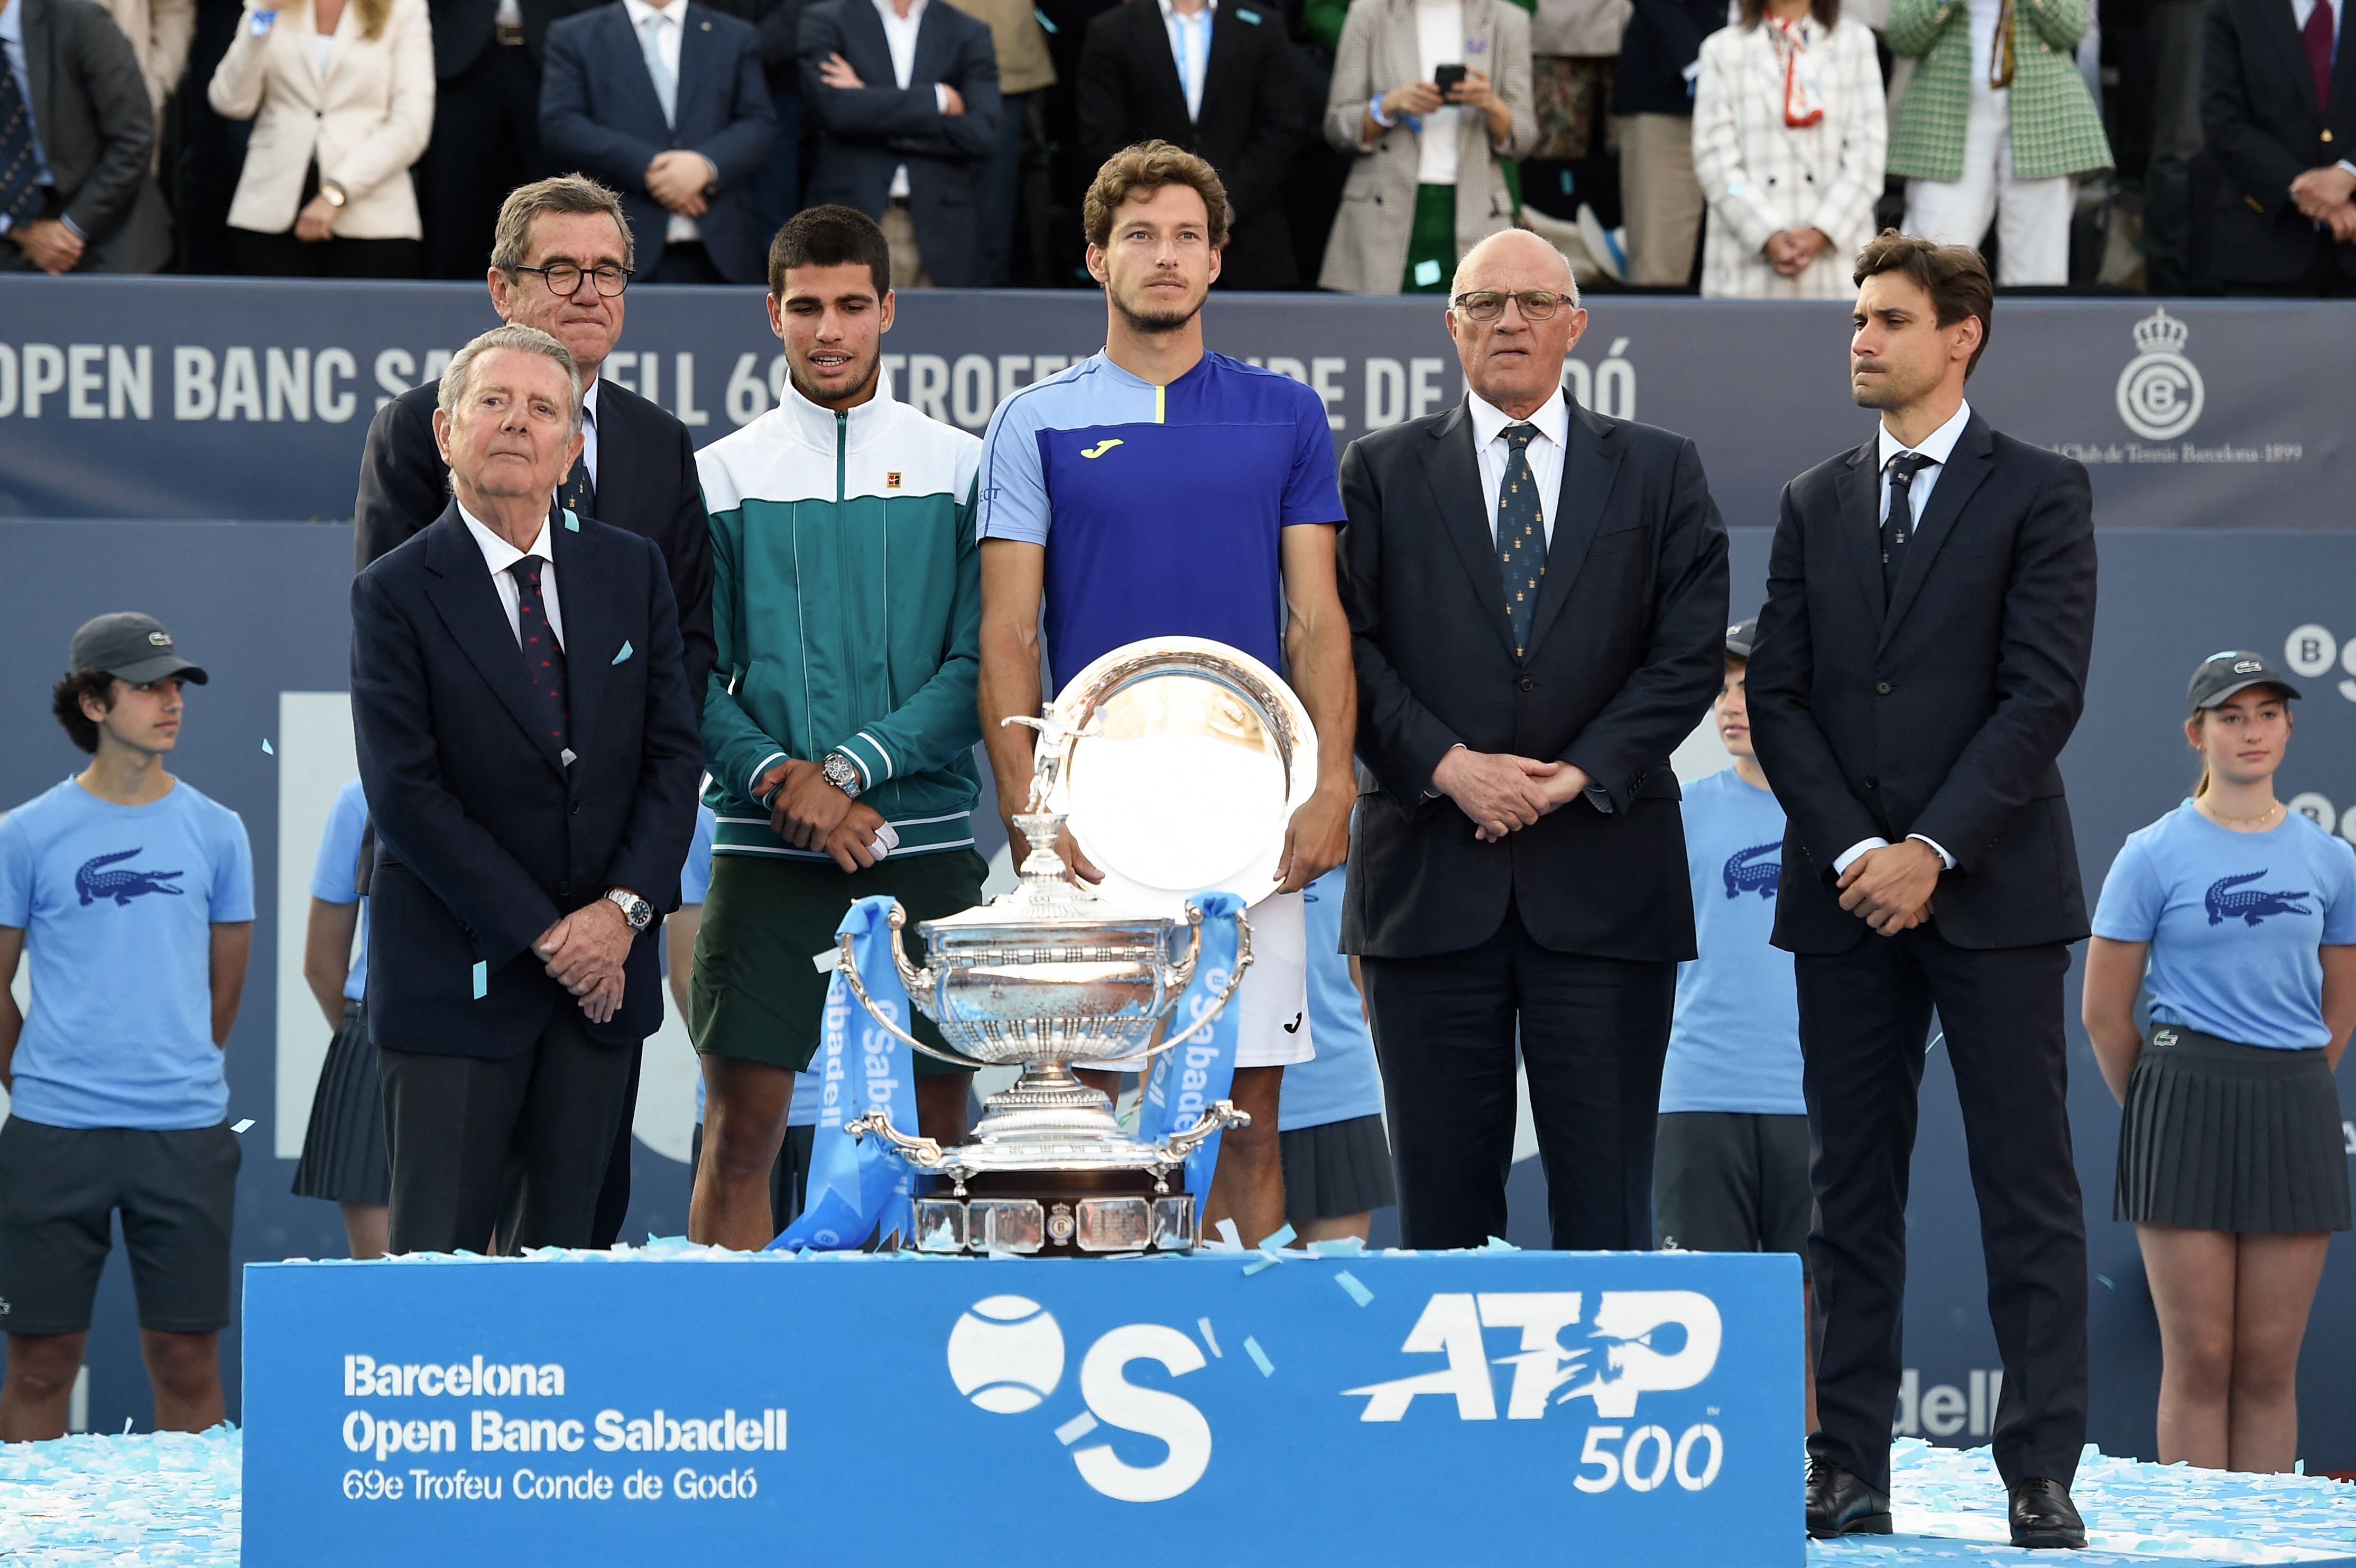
x=1366, y=1410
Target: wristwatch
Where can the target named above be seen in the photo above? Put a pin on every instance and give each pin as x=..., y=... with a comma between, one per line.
x=636, y=910
x=333, y=192
x=842, y=773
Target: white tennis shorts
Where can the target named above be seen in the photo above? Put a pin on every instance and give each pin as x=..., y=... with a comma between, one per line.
x=1272, y=1004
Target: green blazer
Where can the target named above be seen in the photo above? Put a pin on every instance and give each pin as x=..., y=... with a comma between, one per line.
x=2055, y=127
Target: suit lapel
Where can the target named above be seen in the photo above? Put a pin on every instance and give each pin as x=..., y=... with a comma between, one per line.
x=459, y=587
x=1454, y=474
x=589, y=645
x=614, y=446
x=1219, y=61
x=1589, y=463
x=1858, y=489
x=697, y=52
x=623, y=39
x=35, y=21
x=2290, y=50
x=1965, y=470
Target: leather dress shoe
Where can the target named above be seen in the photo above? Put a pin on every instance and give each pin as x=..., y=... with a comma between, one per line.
x=1840, y=1504
x=2043, y=1515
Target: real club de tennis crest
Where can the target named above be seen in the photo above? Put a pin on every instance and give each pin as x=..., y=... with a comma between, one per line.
x=2160, y=394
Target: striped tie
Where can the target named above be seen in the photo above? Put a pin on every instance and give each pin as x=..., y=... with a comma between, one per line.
x=1521, y=537
x=20, y=189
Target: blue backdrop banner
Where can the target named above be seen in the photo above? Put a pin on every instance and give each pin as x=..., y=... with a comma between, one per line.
x=235, y=399
x=1645, y=1407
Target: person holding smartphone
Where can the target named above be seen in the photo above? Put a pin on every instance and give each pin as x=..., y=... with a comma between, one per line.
x=1432, y=99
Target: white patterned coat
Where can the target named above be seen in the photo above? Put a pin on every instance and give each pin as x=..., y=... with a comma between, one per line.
x=1760, y=175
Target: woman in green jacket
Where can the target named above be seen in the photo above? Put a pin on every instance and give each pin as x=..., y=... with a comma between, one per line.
x=1996, y=123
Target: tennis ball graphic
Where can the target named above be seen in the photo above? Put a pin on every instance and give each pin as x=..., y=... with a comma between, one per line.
x=1006, y=1354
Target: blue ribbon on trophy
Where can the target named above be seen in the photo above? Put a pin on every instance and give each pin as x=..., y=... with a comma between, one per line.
x=1187, y=1079
x=854, y=1183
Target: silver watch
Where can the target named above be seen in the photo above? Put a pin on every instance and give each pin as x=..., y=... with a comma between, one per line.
x=842, y=773
x=636, y=910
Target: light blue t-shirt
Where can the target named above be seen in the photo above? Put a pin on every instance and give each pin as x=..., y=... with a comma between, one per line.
x=335, y=879
x=1735, y=1042
x=694, y=887
x=1162, y=510
x=118, y=903
x=2234, y=921
x=1343, y=1081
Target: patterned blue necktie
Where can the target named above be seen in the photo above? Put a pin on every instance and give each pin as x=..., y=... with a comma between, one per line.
x=543, y=660
x=1898, y=527
x=20, y=194
x=1521, y=536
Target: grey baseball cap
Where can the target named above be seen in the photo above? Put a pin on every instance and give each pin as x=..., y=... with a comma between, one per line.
x=1741, y=637
x=2221, y=675
x=130, y=647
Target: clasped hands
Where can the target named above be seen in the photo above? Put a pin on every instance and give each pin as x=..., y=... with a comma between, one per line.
x=1501, y=792
x=2328, y=196
x=584, y=953
x=678, y=178
x=49, y=245
x=809, y=813
x=1791, y=251
x=1889, y=888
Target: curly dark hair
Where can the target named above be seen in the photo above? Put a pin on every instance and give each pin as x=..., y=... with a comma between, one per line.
x=65, y=702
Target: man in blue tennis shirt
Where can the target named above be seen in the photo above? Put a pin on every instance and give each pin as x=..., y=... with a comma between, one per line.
x=1155, y=489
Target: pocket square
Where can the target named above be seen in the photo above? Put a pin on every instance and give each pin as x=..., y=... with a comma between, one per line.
x=572, y=523
x=624, y=653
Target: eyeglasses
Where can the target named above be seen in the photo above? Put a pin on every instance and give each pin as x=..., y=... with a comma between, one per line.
x=1488, y=304
x=564, y=278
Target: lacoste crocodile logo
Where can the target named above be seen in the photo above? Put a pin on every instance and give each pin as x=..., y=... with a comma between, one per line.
x=1100, y=448
x=1758, y=869
x=93, y=883
x=2252, y=905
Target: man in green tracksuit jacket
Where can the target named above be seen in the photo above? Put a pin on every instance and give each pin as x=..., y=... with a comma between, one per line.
x=839, y=723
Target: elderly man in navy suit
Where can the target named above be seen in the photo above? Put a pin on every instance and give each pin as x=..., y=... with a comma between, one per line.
x=528, y=748
x=664, y=101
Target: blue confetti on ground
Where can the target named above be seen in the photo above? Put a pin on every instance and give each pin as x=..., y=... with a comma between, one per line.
x=1948, y=1506
x=165, y=1498
x=1259, y=1357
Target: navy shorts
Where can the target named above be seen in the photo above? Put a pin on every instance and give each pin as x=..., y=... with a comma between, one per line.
x=59, y=1188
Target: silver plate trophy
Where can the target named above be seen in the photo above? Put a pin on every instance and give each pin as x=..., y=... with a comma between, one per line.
x=1176, y=762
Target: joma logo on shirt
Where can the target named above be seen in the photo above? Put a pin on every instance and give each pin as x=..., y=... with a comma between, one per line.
x=2252, y=905
x=94, y=883
x=1100, y=448
x=1758, y=869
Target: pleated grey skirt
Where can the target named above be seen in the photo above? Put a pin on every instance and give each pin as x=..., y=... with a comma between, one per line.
x=2220, y=1136
x=343, y=1149
x=1336, y=1171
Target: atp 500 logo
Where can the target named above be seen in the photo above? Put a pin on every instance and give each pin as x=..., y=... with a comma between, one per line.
x=1638, y=1343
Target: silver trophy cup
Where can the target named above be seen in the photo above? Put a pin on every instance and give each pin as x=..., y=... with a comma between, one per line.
x=1175, y=763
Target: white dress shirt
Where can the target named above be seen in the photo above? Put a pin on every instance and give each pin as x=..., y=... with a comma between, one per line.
x=1490, y=445
x=589, y=428
x=1439, y=41
x=1938, y=446
x=498, y=555
x=1190, y=47
x=900, y=36
x=664, y=26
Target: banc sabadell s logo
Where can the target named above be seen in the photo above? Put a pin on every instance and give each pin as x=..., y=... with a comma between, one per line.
x=2160, y=392
x=1007, y=1355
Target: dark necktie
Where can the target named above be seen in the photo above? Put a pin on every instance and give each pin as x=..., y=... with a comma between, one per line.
x=543, y=660
x=2317, y=35
x=580, y=493
x=20, y=194
x=1898, y=527
x=1521, y=536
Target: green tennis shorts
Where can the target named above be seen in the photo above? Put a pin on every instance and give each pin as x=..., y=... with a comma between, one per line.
x=756, y=995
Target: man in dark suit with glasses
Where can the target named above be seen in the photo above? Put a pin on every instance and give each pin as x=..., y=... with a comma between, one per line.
x=1537, y=597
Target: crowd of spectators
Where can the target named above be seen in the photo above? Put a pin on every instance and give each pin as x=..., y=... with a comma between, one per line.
x=1735, y=147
